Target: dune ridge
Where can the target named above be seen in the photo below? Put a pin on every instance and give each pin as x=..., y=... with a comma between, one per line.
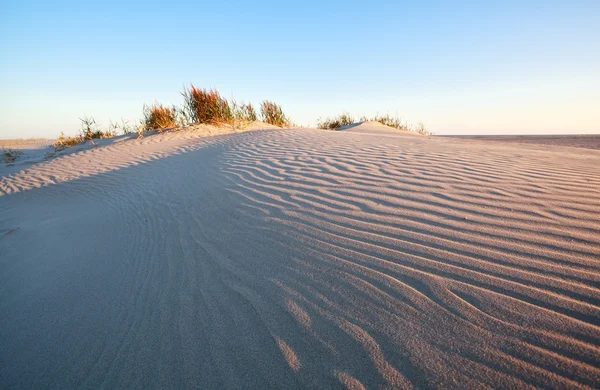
x=303, y=258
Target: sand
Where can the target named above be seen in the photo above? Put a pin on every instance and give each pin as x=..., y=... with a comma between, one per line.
x=301, y=258
x=587, y=141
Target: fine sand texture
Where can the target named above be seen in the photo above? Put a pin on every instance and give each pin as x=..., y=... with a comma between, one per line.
x=575, y=141
x=302, y=258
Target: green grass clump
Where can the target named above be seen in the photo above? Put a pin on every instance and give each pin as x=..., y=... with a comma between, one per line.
x=273, y=114
x=159, y=117
x=334, y=123
x=206, y=106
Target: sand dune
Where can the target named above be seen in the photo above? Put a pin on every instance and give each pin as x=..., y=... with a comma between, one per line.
x=373, y=127
x=302, y=258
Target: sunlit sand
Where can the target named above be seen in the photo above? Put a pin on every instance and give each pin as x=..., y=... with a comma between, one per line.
x=300, y=258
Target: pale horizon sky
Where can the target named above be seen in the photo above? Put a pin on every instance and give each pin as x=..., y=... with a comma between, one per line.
x=463, y=67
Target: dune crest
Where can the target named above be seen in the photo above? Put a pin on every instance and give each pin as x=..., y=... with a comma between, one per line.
x=374, y=127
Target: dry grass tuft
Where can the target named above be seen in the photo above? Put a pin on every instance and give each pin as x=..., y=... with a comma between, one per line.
x=88, y=132
x=391, y=121
x=346, y=119
x=206, y=106
x=273, y=114
x=244, y=112
x=159, y=117
x=125, y=127
x=420, y=128
x=64, y=142
x=397, y=123
x=334, y=123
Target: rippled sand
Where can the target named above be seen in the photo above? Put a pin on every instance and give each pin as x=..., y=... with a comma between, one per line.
x=302, y=259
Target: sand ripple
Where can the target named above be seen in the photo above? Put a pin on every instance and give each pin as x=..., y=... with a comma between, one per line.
x=302, y=259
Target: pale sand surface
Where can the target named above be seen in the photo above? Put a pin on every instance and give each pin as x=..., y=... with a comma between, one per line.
x=575, y=141
x=302, y=259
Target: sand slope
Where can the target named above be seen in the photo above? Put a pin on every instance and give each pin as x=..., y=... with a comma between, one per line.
x=376, y=128
x=587, y=141
x=302, y=259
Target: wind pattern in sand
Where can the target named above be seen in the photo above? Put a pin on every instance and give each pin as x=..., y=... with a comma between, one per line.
x=303, y=259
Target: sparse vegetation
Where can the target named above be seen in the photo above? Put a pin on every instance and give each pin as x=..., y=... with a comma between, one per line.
x=10, y=155
x=88, y=132
x=346, y=119
x=334, y=123
x=397, y=123
x=159, y=117
x=420, y=128
x=64, y=142
x=124, y=127
x=273, y=114
x=206, y=106
x=391, y=121
x=88, y=128
x=244, y=112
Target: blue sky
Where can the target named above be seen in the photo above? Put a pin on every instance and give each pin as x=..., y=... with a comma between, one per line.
x=477, y=67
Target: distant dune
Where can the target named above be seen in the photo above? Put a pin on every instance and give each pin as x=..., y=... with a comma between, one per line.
x=376, y=128
x=300, y=258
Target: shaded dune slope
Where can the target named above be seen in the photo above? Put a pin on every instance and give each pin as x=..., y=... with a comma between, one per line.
x=303, y=258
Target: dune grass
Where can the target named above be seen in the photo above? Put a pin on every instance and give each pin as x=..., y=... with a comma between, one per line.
x=159, y=117
x=244, y=112
x=391, y=121
x=202, y=106
x=420, y=128
x=124, y=127
x=273, y=114
x=207, y=106
x=88, y=132
x=64, y=142
x=397, y=123
x=346, y=119
x=341, y=120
